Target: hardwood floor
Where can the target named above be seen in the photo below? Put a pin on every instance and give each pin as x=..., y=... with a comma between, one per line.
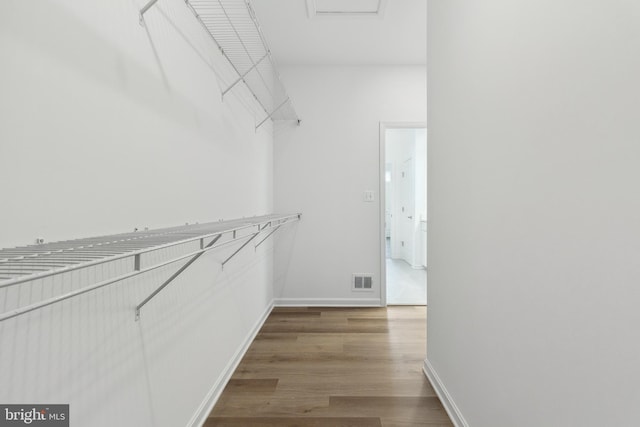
x=333, y=367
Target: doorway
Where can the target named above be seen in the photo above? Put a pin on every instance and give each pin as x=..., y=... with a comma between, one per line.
x=403, y=155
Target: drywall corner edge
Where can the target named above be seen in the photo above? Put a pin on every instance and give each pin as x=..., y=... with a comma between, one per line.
x=200, y=416
x=447, y=401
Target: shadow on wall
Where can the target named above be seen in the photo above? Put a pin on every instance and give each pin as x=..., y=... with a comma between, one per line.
x=283, y=249
x=80, y=47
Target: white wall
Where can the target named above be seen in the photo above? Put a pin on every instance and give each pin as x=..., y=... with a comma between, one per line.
x=534, y=210
x=106, y=125
x=323, y=168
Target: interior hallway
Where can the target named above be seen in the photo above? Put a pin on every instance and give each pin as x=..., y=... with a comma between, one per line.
x=333, y=367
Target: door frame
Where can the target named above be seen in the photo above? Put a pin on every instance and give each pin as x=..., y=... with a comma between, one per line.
x=383, y=127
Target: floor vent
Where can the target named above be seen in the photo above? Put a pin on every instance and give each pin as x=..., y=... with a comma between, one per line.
x=362, y=282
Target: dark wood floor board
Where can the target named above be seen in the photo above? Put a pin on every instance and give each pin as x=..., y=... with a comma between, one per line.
x=396, y=408
x=292, y=422
x=365, y=386
x=334, y=326
x=295, y=347
x=252, y=385
x=328, y=351
x=293, y=314
x=326, y=365
x=286, y=319
x=273, y=405
x=275, y=336
x=332, y=367
x=322, y=337
x=392, y=312
x=357, y=404
x=312, y=370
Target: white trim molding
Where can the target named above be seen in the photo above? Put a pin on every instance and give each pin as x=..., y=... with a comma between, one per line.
x=328, y=302
x=447, y=401
x=200, y=417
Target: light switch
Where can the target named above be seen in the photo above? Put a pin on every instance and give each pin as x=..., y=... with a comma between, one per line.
x=369, y=196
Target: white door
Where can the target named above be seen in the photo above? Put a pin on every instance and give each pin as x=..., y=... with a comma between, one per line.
x=406, y=210
x=388, y=214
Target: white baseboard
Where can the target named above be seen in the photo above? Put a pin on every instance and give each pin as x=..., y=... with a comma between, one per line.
x=449, y=405
x=203, y=411
x=327, y=302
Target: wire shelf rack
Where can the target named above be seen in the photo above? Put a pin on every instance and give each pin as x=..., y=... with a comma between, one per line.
x=233, y=26
x=30, y=263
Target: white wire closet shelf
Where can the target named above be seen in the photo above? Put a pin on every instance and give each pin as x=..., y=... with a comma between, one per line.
x=233, y=25
x=29, y=263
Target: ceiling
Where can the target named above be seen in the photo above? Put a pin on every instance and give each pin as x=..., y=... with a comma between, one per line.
x=397, y=35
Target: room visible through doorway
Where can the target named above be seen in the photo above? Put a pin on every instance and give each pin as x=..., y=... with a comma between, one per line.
x=404, y=156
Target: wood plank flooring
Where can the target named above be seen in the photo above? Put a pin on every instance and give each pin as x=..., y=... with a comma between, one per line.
x=333, y=367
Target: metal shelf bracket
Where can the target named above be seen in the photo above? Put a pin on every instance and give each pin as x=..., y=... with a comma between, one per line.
x=273, y=112
x=266, y=237
x=174, y=275
x=241, y=78
x=253, y=236
x=145, y=8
